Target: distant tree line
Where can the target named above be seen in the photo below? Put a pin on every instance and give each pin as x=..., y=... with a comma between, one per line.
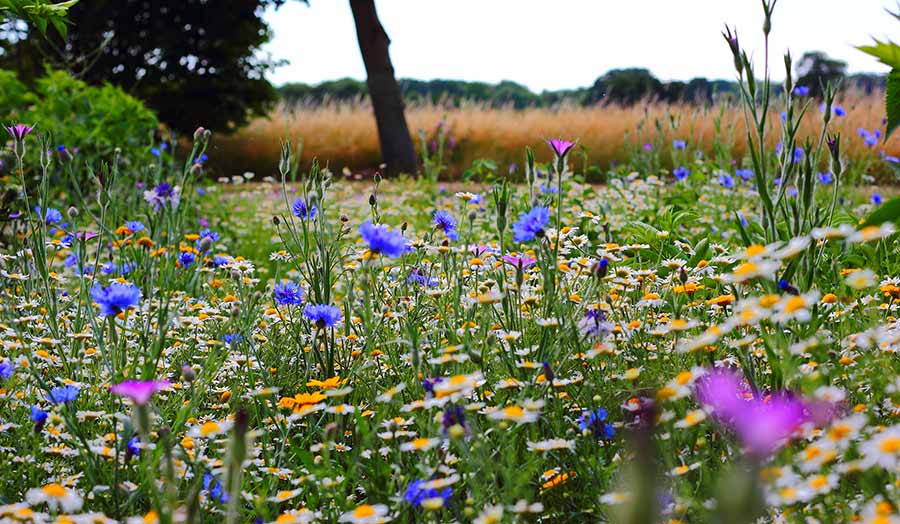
x=619, y=86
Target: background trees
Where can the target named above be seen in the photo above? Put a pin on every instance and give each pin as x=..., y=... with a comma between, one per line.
x=192, y=61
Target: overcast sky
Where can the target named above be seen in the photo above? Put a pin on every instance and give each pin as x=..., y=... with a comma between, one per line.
x=555, y=44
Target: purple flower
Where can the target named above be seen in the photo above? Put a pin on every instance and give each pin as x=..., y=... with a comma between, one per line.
x=139, y=391
x=648, y=147
x=163, y=194
x=826, y=178
x=762, y=423
x=288, y=293
x=530, y=224
x=19, y=131
x=560, y=147
x=322, y=315
x=681, y=173
x=382, y=240
x=519, y=261
x=116, y=298
x=744, y=174
x=300, y=209
x=447, y=223
x=726, y=180
x=679, y=144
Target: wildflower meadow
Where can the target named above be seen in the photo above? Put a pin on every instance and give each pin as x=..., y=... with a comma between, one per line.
x=710, y=342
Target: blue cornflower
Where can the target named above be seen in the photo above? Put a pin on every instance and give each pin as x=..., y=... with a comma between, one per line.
x=200, y=159
x=38, y=414
x=109, y=268
x=454, y=416
x=116, y=298
x=891, y=159
x=445, y=221
x=595, y=422
x=826, y=178
x=382, y=240
x=801, y=90
x=134, y=226
x=215, y=489
x=869, y=139
x=301, y=210
x=678, y=144
x=839, y=111
x=726, y=180
x=62, y=394
x=186, y=258
x=155, y=152
x=232, y=338
x=422, y=279
x=530, y=224
x=6, y=370
x=134, y=446
x=744, y=174
x=681, y=172
x=220, y=260
x=322, y=315
x=877, y=199
x=53, y=216
x=288, y=293
x=798, y=154
x=417, y=492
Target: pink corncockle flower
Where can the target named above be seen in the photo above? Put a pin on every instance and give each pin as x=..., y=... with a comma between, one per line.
x=560, y=147
x=519, y=261
x=139, y=391
x=763, y=423
x=19, y=131
x=85, y=235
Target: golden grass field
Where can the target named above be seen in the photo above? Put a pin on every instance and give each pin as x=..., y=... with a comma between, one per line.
x=344, y=134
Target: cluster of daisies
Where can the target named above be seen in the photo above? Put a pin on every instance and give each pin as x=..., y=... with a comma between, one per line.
x=436, y=354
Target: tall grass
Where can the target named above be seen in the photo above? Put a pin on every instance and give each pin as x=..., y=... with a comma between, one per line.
x=344, y=133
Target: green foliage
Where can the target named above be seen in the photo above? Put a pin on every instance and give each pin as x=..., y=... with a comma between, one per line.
x=887, y=212
x=888, y=53
x=194, y=62
x=92, y=120
x=40, y=13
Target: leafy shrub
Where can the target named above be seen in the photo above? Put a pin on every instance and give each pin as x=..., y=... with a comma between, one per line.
x=90, y=121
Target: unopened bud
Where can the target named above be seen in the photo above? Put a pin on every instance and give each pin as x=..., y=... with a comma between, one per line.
x=72, y=212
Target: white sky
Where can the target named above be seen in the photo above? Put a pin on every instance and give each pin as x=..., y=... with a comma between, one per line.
x=555, y=44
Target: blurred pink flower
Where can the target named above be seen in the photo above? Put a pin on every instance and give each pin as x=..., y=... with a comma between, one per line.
x=139, y=391
x=518, y=261
x=762, y=423
x=19, y=131
x=560, y=147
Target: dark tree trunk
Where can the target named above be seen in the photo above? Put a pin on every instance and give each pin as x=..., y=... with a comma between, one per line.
x=397, y=149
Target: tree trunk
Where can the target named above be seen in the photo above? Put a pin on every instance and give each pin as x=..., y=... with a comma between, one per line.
x=397, y=149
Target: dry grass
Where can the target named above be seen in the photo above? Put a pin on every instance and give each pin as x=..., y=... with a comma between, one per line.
x=344, y=134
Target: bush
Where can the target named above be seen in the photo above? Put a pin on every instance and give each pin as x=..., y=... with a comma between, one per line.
x=90, y=121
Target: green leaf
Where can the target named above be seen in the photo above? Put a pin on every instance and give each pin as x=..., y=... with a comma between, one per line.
x=886, y=212
x=892, y=102
x=888, y=53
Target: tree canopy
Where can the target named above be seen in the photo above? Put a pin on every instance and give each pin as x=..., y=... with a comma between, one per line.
x=193, y=61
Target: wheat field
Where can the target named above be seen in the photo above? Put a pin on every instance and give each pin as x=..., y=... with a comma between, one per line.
x=343, y=134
